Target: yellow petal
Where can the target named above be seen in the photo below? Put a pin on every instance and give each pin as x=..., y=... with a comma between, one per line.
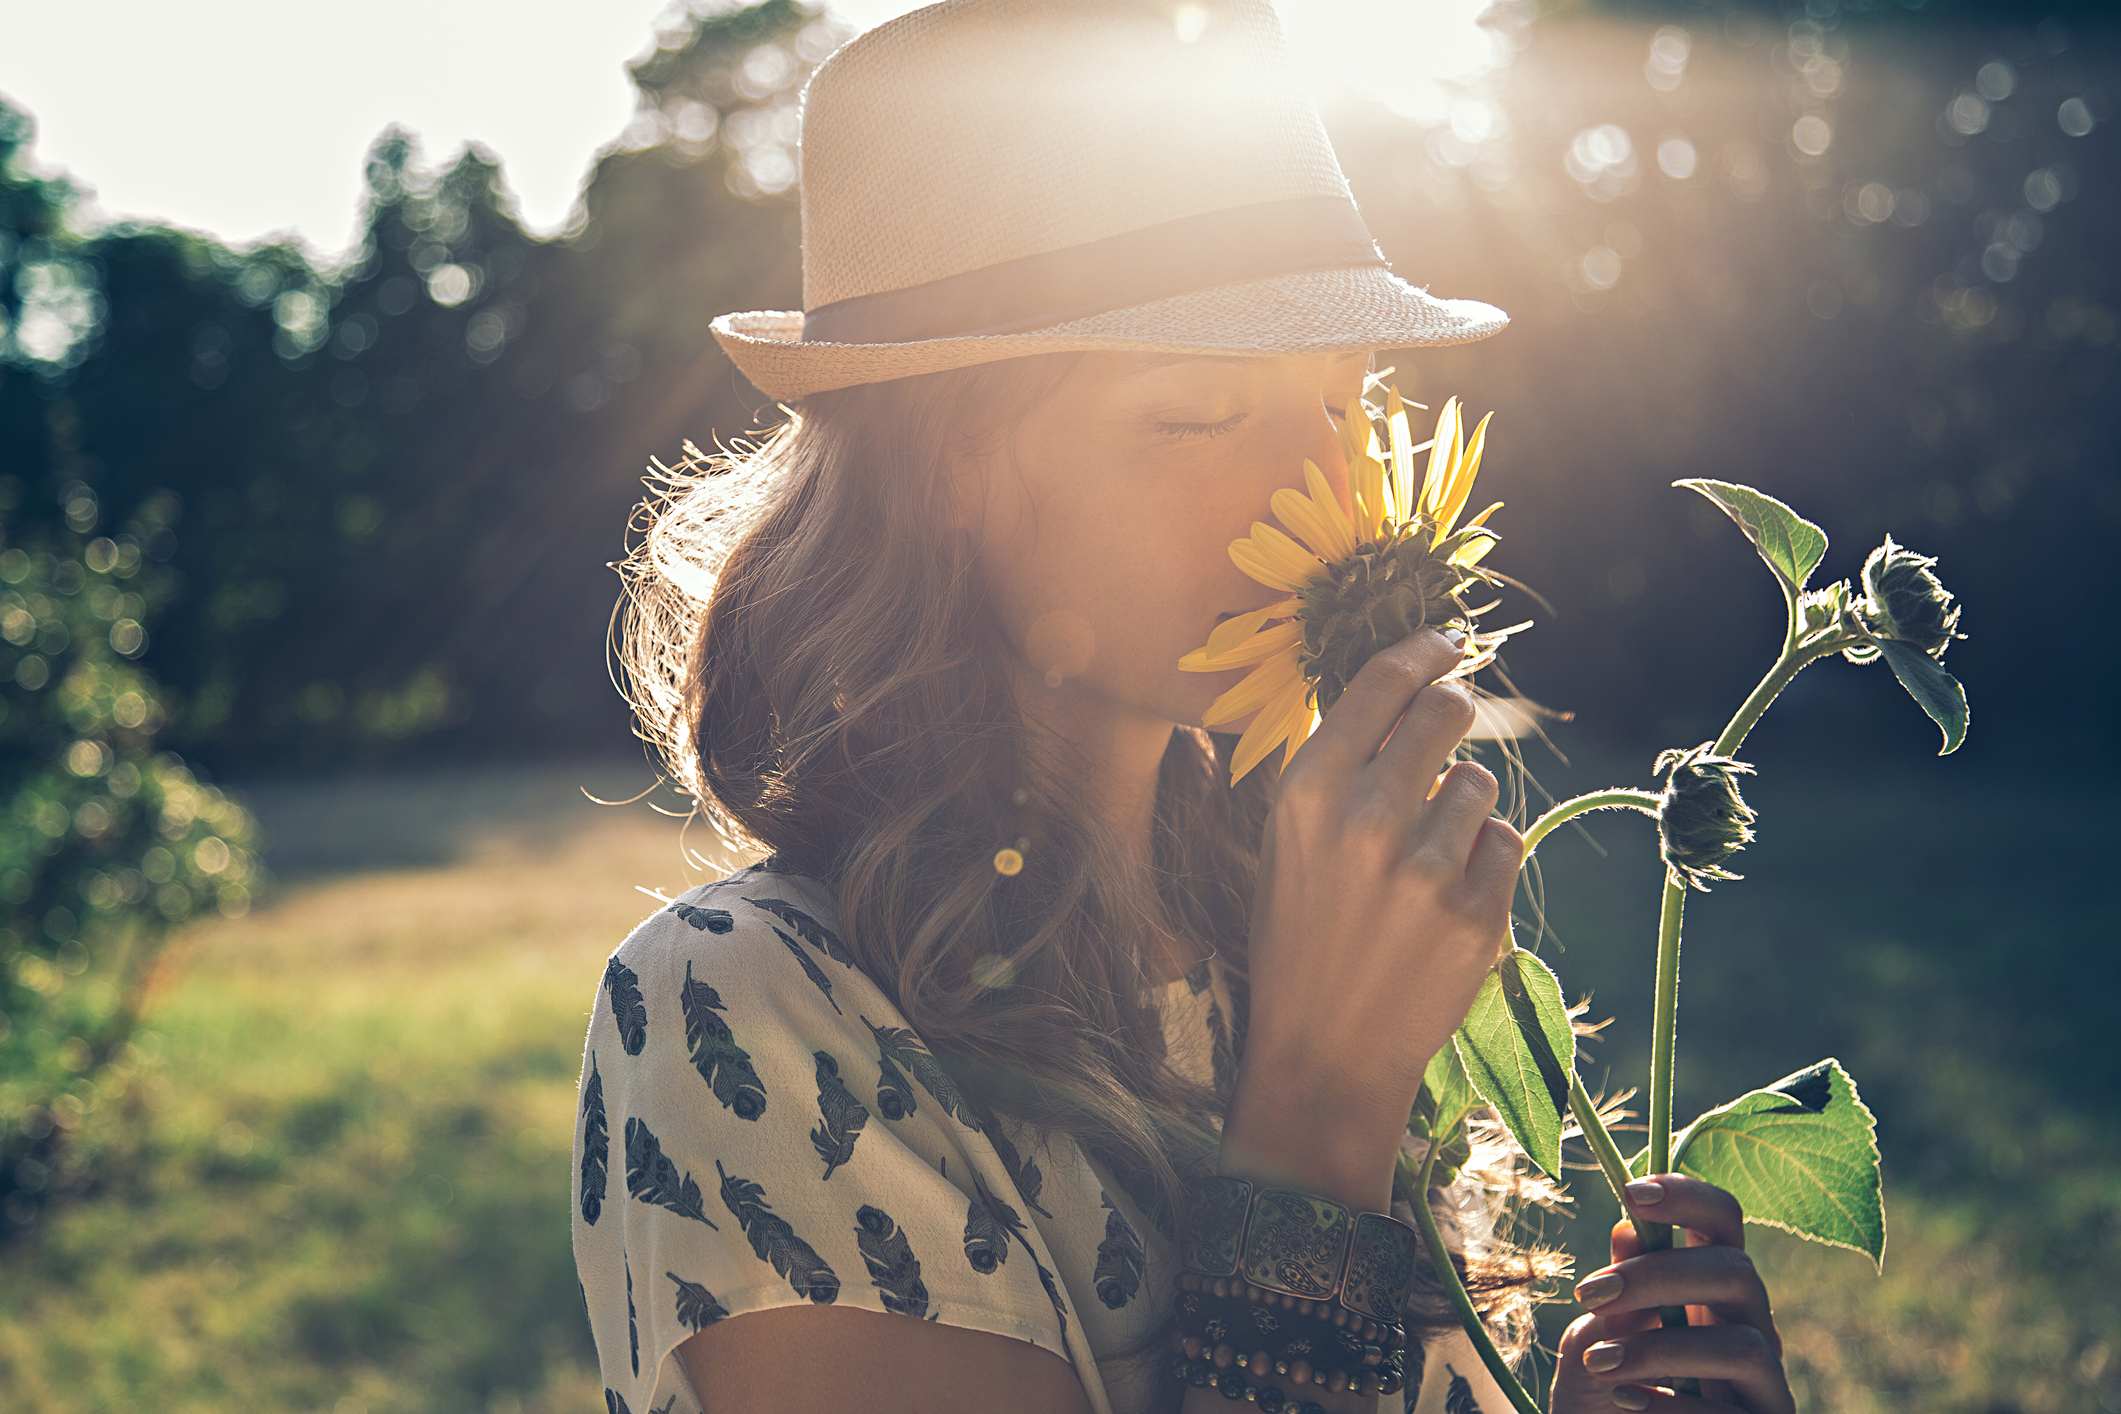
x=1402, y=440
x=1462, y=481
x=1302, y=722
x=1327, y=502
x=1368, y=476
x=1273, y=558
x=1270, y=728
x=1257, y=648
x=1262, y=685
x=1354, y=430
x=1482, y=518
x=1231, y=632
x=1443, y=458
x=1310, y=524
x=1473, y=552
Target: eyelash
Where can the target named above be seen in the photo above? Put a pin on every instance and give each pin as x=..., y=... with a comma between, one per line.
x=1210, y=430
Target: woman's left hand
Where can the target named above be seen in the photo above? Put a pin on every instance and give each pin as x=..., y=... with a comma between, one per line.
x=1620, y=1357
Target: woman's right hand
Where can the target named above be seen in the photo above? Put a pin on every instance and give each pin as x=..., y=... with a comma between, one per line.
x=1380, y=909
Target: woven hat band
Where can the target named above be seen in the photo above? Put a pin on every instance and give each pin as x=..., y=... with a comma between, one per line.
x=1134, y=267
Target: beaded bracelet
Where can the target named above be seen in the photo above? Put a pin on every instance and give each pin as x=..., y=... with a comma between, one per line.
x=1231, y=1384
x=1236, y=1321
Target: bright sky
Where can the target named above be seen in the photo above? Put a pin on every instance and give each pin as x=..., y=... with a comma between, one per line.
x=245, y=118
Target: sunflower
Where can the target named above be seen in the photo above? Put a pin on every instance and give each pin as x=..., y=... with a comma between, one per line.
x=1354, y=586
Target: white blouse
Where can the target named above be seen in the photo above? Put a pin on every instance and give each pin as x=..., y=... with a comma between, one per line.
x=758, y=1127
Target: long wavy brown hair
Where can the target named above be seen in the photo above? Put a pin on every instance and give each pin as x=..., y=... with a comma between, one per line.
x=806, y=642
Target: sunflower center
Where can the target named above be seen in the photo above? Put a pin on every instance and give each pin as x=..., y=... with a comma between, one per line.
x=1375, y=597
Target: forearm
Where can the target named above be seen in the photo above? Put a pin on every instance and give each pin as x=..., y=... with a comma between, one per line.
x=1290, y=1128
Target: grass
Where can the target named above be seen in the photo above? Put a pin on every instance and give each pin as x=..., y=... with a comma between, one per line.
x=340, y=1181
x=337, y=1179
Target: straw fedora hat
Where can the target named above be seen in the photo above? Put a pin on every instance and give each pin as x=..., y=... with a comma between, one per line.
x=987, y=179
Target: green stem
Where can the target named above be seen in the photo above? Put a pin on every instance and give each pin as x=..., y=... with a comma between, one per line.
x=1599, y=1138
x=1664, y=1036
x=1617, y=799
x=1476, y=1329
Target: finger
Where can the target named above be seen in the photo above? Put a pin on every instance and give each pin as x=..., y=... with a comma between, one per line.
x=1664, y=1401
x=1689, y=1203
x=1720, y=1279
x=1497, y=856
x=1449, y=825
x=1626, y=1241
x=1436, y=720
x=1738, y=1355
x=1348, y=736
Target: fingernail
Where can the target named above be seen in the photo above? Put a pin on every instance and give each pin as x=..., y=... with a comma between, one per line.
x=1604, y=1356
x=1596, y=1291
x=1453, y=636
x=1645, y=1191
x=1629, y=1397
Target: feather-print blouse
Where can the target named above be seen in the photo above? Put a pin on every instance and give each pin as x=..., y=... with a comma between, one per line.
x=758, y=1127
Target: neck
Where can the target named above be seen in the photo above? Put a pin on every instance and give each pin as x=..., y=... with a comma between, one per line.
x=1100, y=763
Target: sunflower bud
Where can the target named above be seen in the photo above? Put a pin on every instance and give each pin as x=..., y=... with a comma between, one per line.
x=1902, y=599
x=1702, y=820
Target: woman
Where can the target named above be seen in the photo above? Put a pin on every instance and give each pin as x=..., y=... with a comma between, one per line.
x=910, y=1114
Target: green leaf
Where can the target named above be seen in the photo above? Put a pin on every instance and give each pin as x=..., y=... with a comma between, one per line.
x=1801, y=1155
x=1447, y=1095
x=1791, y=545
x=1517, y=1047
x=1935, y=691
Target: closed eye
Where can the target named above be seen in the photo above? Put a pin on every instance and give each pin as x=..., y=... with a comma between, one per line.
x=1200, y=429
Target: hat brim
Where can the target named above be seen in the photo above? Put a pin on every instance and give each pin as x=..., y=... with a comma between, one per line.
x=1310, y=311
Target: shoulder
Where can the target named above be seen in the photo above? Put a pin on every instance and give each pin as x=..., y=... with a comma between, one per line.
x=748, y=929
x=752, y=963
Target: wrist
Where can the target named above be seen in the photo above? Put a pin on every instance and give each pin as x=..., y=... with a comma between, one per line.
x=1287, y=1127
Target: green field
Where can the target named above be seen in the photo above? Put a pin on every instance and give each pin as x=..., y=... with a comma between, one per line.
x=337, y=1178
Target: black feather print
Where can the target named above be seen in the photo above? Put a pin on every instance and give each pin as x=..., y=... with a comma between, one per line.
x=893, y=1269
x=1023, y=1172
x=627, y=1008
x=696, y=1305
x=807, y=928
x=840, y=1115
x=596, y=1146
x=615, y=1403
x=811, y=970
x=653, y=1178
x=668, y=1405
x=711, y=920
x=721, y=1062
x=894, y=1097
x=986, y=1238
x=989, y=1225
x=633, y=1328
x=1060, y=1308
x=1119, y=1259
x=901, y=1047
x=1459, y=1398
x=775, y=1242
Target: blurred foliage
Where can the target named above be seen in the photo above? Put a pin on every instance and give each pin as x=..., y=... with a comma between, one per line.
x=106, y=842
x=1859, y=257
x=393, y=485
x=1866, y=266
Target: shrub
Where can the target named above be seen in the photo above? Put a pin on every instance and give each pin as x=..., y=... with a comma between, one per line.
x=105, y=842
